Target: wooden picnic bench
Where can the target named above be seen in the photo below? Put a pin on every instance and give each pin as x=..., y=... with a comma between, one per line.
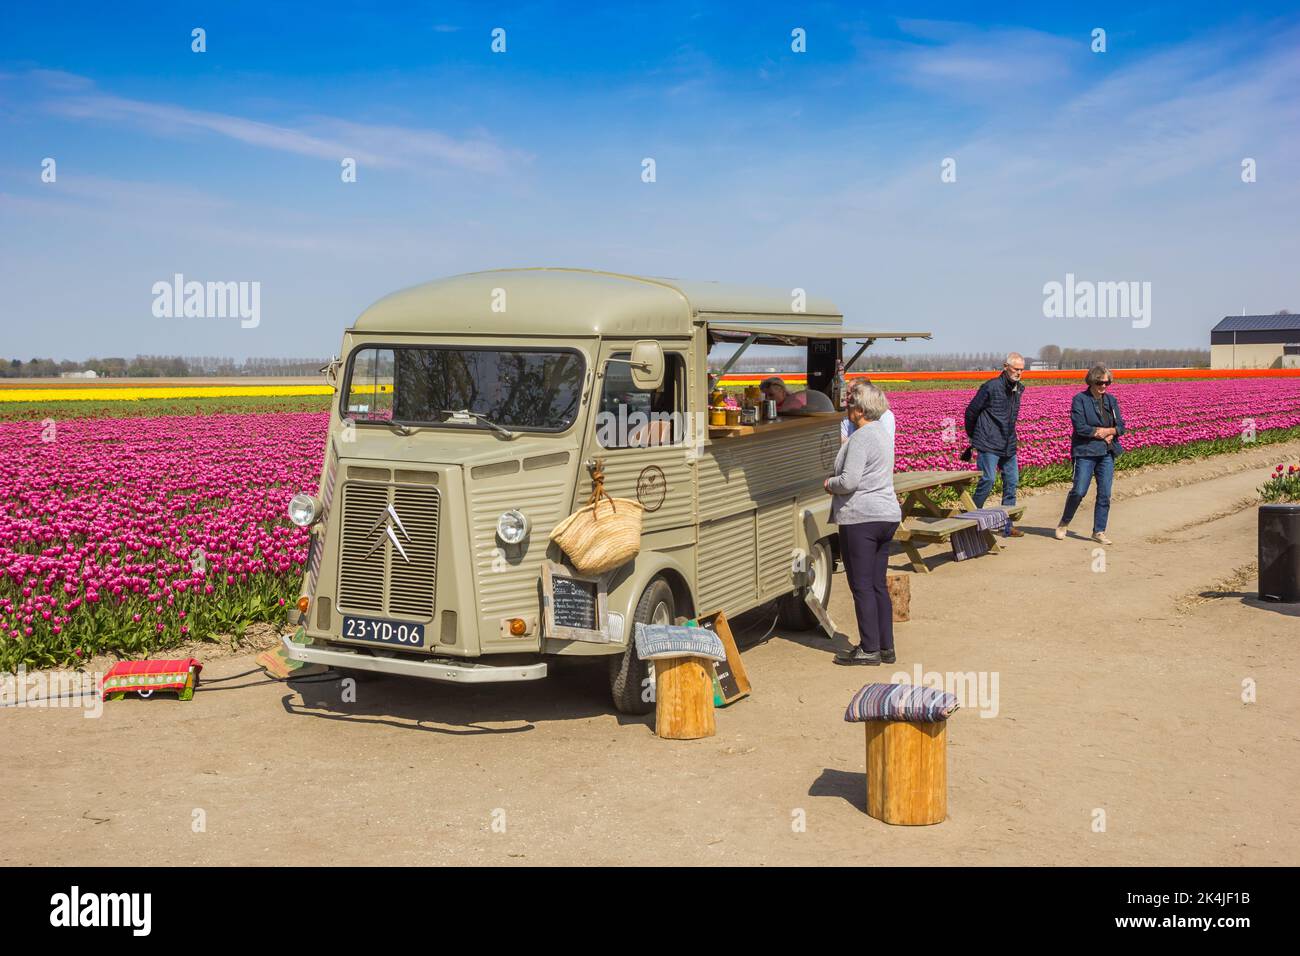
x=926, y=521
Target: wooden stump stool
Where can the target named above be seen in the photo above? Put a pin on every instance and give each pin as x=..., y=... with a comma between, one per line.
x=907, y=771
x=900, y=595
x=684, y=698
x=907, y=755
x=683, y=661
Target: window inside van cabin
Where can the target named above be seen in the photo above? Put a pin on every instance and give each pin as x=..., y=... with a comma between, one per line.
x=631, y=417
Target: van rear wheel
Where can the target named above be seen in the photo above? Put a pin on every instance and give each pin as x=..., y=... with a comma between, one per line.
x=794, y=613
x=629, y=676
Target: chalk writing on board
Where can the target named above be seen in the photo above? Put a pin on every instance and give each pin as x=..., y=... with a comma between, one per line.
x=574, y=603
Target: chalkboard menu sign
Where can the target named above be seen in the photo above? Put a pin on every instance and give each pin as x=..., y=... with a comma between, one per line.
x=574, y=605
x=727, y=681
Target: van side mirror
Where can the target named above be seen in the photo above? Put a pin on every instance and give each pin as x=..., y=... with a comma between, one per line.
x=647, y=364
x=331, y=372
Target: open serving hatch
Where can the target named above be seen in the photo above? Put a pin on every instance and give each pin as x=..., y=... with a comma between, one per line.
x=824, y=340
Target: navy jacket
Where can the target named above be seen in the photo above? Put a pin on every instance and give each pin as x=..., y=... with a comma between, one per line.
x=1084, y=418
x=991, y=416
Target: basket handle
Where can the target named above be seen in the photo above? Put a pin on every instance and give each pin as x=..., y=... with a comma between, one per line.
x=597, y=469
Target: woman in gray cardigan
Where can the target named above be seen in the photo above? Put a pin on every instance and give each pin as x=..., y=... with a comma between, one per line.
x=866, y=509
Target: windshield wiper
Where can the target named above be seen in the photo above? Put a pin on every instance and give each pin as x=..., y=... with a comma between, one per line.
x=465, y=417
x=398, y=428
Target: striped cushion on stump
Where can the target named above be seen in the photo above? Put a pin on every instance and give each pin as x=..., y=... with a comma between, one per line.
x=662, y=641
x=912, y=702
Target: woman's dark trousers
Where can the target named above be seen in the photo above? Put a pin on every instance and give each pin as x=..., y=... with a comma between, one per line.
x=864, y=549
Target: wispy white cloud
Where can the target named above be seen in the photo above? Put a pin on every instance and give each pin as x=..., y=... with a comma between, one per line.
x=967, y=62
x=331, y=138
x=1172, y=117
x=412, y=148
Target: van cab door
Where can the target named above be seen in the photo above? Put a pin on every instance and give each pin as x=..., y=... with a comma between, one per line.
x=648, y=442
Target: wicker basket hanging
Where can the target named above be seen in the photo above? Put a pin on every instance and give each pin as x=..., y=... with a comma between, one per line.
x=602, y=535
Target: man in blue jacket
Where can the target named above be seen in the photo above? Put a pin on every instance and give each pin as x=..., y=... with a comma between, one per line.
x=991, y=426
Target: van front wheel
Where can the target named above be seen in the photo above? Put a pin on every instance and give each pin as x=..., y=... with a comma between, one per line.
x=794, y=613
x=629, y=676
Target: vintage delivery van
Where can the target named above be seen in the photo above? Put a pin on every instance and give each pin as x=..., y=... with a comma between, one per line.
x=469, y=417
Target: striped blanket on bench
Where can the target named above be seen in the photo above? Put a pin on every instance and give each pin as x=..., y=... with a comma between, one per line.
x=970, y=542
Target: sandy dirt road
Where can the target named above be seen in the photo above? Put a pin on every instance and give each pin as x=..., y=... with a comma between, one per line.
x=1118, y=691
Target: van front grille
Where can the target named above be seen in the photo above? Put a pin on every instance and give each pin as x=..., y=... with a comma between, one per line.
x=374, y=577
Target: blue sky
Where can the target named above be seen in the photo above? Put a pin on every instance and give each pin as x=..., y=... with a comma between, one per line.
x=818, y=170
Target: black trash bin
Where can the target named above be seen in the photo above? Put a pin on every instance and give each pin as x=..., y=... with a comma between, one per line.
x=1279, y=552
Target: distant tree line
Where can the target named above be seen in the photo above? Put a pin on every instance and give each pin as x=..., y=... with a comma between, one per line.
x=1125, y=358
x=161, y=366
x=1052, y=355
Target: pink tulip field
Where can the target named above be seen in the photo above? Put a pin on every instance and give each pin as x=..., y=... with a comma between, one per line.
x=133, y=534
x=1162, y=418
x=129, y=534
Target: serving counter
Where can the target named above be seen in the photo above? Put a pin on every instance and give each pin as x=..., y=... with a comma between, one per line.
x=789, y=422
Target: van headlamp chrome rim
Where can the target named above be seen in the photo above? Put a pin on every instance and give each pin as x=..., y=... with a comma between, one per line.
x=303, y=509
x=512, y=526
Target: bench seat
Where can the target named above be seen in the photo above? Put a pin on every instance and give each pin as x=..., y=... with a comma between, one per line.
x=937, y=530
x=920, y=529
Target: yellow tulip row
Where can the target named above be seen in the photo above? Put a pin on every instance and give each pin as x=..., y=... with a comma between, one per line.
x=108, y=393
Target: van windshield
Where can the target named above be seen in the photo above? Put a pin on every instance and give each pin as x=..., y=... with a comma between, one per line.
x=528, y=389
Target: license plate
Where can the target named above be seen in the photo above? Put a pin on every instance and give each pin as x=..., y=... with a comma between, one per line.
x=398, y=633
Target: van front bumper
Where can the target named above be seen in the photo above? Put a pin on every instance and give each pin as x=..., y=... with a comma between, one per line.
x=443, y=670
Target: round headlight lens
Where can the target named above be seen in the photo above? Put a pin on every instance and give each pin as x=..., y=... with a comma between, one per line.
x=303, y=509
x=512, y=527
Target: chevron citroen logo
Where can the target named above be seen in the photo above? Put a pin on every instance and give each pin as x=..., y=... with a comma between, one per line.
x=392, y=526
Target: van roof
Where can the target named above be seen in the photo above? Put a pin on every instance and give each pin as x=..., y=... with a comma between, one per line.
x=579, y=302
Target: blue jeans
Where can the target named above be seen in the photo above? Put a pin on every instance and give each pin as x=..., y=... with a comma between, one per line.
x=1084, y=469
x=990, y=463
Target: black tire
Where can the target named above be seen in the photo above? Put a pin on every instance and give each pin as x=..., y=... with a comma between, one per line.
x=628, y=674
x=793, y=612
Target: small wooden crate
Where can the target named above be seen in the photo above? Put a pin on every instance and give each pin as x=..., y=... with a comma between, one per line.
x=907, y=771
x=733, y=681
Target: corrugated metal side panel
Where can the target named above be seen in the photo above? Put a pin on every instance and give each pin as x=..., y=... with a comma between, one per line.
x=726, y=564
x=736, y=473
x=630, y=469
x=507, y=586
x=775, y=547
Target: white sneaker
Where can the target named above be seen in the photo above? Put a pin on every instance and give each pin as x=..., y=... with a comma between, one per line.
x=1060, y=533
x=1100, y=538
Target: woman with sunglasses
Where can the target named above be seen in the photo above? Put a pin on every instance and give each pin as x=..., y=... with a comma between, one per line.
x=1094, y=444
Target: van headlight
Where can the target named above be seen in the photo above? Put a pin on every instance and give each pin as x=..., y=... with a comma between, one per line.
x=303, y=509
x=512, y=527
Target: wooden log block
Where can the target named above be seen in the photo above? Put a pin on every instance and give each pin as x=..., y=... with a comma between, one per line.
x=684, y=698
x=900, y=595
x=907, y=771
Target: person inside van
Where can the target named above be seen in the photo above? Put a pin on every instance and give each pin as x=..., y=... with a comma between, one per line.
x=808, y=400
x=659, y=429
